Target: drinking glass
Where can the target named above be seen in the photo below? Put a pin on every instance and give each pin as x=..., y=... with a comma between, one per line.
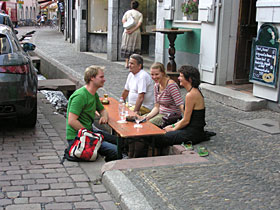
x=137, y=120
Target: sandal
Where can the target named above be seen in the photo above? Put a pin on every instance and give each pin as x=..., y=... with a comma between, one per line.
x=202, y=151
x=188, y=145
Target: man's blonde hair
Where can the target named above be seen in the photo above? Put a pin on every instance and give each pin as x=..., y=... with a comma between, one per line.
x=92, y=71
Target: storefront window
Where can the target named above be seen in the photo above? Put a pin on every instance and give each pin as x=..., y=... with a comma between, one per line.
x=148, y=9
x=98, y=16
x=186, y=10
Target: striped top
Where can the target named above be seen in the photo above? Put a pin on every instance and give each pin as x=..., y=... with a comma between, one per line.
x=169, y=99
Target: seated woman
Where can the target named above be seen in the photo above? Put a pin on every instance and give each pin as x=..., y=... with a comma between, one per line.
x=167, y=95
x=191, y=126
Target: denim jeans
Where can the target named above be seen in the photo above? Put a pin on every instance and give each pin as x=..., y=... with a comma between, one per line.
x=109, y=145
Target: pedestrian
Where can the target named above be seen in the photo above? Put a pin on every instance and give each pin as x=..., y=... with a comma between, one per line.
x=191, y=126
x=81, y=112
x=167, y=96
x=42, y=20
x=138, y=87
x=131, y=38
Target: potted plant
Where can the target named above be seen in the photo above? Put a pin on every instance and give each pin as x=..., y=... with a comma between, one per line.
x=190, y=9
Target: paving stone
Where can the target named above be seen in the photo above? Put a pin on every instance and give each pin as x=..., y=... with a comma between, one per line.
x=41, y=199
x=5, y=202
x=80, y=178
x=23, y=182
x=9, y=177
x=21, y=201
x=82, y=184
x=38, y=187
x=58, y=206
x=33, y=176
x=46, y=181
x=4, y=183
x=78, y=191
x=62, y=186
x=103, y=197
x=35, y=193
x=68, y=199
x=53, y=192
x=56, y=175
x=109, y=205
x=12, y=194
x=98, y=188
x=88, y=197
x=12, y=188
x=86, y=205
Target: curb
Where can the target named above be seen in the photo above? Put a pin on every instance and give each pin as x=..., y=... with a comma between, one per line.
x=124, y=191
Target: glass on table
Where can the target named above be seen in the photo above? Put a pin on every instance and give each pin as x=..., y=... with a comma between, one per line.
x=138, y=120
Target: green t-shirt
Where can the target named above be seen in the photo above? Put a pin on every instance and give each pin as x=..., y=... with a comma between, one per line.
x=83, y=104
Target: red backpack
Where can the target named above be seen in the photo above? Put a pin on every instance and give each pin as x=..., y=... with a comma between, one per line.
x=84, y=147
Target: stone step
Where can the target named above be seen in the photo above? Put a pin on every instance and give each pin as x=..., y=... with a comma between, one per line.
x=56, y=84
x=233, y=98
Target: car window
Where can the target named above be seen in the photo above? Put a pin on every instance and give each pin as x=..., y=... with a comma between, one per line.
x=5, y=46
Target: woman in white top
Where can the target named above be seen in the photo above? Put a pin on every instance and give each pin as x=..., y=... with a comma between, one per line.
x=131, y=38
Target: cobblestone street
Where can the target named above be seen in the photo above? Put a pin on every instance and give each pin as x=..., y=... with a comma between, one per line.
x=31, y=175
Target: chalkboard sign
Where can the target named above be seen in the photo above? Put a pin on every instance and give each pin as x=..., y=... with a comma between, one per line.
x=264, y=57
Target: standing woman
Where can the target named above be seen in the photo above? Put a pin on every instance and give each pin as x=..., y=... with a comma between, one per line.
x=191, y=127
x=167, y=96
x=131, y=38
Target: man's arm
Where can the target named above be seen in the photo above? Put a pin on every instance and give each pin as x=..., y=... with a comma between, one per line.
x=74, y=122
x=104, y=117
x=139, y=102
x=125, y=94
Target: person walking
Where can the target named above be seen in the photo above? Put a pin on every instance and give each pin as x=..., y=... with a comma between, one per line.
x=131, y=38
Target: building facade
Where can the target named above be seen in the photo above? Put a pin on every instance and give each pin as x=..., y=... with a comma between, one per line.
x=219, y=43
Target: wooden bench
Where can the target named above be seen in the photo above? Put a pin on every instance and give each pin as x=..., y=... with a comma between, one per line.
x=57, y=84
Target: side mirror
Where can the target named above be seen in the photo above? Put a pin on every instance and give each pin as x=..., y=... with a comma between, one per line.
x=28, y=47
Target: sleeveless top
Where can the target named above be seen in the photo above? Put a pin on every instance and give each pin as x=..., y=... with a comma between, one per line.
x=197, y=119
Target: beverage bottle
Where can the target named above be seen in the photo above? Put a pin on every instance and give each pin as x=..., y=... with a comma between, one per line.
x=122, y=108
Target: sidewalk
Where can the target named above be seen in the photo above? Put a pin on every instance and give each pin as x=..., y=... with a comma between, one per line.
x=241, y=172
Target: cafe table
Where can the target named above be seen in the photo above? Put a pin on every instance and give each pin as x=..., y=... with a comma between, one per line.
x=172, y=35
x=127, y=130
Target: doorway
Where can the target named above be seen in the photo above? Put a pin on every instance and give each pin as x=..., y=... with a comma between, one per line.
x=246, y=31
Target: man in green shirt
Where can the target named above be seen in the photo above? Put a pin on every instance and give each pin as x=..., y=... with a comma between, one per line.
x=81, y=112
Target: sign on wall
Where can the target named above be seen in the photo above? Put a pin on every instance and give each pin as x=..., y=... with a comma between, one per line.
x=264, y=57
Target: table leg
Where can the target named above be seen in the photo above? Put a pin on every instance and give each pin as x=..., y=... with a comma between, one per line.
x=153, y=146
x=119, y=147
x=171, y=65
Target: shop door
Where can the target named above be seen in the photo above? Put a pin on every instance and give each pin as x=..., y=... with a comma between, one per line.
x=247, y=29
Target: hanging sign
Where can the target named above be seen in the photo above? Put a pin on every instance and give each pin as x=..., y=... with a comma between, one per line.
x=265, y=56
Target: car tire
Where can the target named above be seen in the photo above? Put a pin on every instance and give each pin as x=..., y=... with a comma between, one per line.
x=31, y=119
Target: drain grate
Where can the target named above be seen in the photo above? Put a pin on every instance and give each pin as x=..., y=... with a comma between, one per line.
x=266, y=125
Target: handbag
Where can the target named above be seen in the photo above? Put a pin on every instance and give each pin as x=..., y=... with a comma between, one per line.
x=170, y=118
x=129, y=23
x=84, y=147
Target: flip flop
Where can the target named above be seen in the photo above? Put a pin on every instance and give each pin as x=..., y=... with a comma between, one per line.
x=202, y=151
x=188, y=145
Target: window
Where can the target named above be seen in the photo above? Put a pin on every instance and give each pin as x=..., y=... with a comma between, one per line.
x=179, y=14
x=5, y=47
x=98, y=16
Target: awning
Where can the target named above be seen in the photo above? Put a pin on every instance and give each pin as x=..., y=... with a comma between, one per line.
x=48, y=4
x=44, y=1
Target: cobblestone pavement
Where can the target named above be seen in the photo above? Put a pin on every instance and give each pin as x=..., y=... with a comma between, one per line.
x=243, y=171
x=31, y=176
x=244, y=167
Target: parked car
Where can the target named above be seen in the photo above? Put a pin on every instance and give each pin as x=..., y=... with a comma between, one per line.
x=6, y=20
x=18, y=79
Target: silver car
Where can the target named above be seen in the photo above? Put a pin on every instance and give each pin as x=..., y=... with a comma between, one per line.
x=18, y=79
